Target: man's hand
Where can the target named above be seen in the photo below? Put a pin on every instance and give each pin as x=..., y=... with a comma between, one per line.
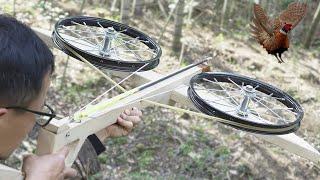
x=47, y=167
x=125, y=123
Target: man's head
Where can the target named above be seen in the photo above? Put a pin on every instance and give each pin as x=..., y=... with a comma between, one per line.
x=26, y=64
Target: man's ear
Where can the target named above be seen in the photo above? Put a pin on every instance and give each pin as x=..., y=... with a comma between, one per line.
x=3, y=111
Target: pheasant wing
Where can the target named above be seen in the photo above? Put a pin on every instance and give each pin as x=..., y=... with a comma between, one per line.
x=293, y=14
x=277, y=25
x=258, y=32
x=262, y=18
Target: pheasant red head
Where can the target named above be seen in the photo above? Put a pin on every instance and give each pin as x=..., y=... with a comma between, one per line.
x=287, y=27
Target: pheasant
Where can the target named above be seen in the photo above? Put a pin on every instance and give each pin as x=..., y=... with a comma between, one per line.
x=273, y=34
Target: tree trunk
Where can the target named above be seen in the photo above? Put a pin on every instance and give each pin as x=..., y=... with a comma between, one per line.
x=14, y=8
x=176, y=46
x=223, y=13
x=167, y=22
x=82, y=6
x=162, y=9
x=232, y=8
x=113, y=6
x=138, y=7
x=313, y=27
x=125, y=11
x=190, y=11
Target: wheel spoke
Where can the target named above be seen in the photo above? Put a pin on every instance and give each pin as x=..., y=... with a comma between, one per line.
x=91, y=33
x=205, y=79
x=223, y=98
x=137, y=50
x=218, y=90
x=264, y=99
x=272, y=116
x=79, y=36
x=235, y=83
x=227, y=105
x=135, y=54
x=268, y=109
x=129, y=42
x=76, y=41
x=117, y=46
x=137, y=39
x=64, y=28
x=255, y=110
x=227, y=93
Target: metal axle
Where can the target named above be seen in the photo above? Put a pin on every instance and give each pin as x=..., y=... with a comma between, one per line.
x=110, y=35
x=249, y=93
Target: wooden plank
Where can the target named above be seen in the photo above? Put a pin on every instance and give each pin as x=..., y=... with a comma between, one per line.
x=45, y=35
x=293, y=144
x=76, y=133
x=9, y=173
x=58, y=125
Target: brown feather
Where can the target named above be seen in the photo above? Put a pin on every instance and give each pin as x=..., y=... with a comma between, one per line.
x=262, y=18
x=294, y=13
x=277, y=25
x=260, y=34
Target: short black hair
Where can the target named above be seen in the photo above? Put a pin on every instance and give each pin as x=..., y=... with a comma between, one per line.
x=24, y=61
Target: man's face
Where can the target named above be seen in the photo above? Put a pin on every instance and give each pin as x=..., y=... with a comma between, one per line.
x=15, y=125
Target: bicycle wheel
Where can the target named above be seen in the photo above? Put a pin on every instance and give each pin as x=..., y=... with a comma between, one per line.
x=107, y=44
x=245, y=103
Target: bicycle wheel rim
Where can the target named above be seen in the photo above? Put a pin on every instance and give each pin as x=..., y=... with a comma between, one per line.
x=106, y=62
x=243, y=123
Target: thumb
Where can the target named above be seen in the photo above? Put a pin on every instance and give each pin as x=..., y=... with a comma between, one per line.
x=26, y=160
x=26, y=156
x=63, y=151
x=69, y=172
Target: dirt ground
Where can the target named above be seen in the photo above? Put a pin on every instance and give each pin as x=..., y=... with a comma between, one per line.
x=169, y=145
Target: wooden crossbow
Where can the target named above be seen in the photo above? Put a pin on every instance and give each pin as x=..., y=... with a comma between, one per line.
x=187, y=86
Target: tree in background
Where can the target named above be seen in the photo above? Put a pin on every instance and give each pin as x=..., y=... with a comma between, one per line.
x=178, y=24
x=82, y=6
x=138, y=7
x=223, y=13
x=125, y=11
x=114, y=5
x=313, y=27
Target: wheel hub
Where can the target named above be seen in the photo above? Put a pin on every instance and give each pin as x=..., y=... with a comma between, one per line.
x=249, y=93
x=110, y=35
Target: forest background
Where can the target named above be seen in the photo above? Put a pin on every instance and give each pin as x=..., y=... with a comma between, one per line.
x=170, y=145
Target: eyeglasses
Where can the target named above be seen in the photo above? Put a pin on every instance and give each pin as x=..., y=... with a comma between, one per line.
x=46, y=115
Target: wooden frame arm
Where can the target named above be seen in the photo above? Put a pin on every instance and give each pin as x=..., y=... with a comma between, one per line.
x=65, y=132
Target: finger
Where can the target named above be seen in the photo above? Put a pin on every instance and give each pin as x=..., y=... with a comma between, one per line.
x=69, y=172
x=123, y=116
x=63, y=152
x=125, y=124
x=127, y=112
x=134, y=119
x=136, y=112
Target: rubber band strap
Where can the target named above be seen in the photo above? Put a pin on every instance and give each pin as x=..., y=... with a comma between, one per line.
x=97, y=144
